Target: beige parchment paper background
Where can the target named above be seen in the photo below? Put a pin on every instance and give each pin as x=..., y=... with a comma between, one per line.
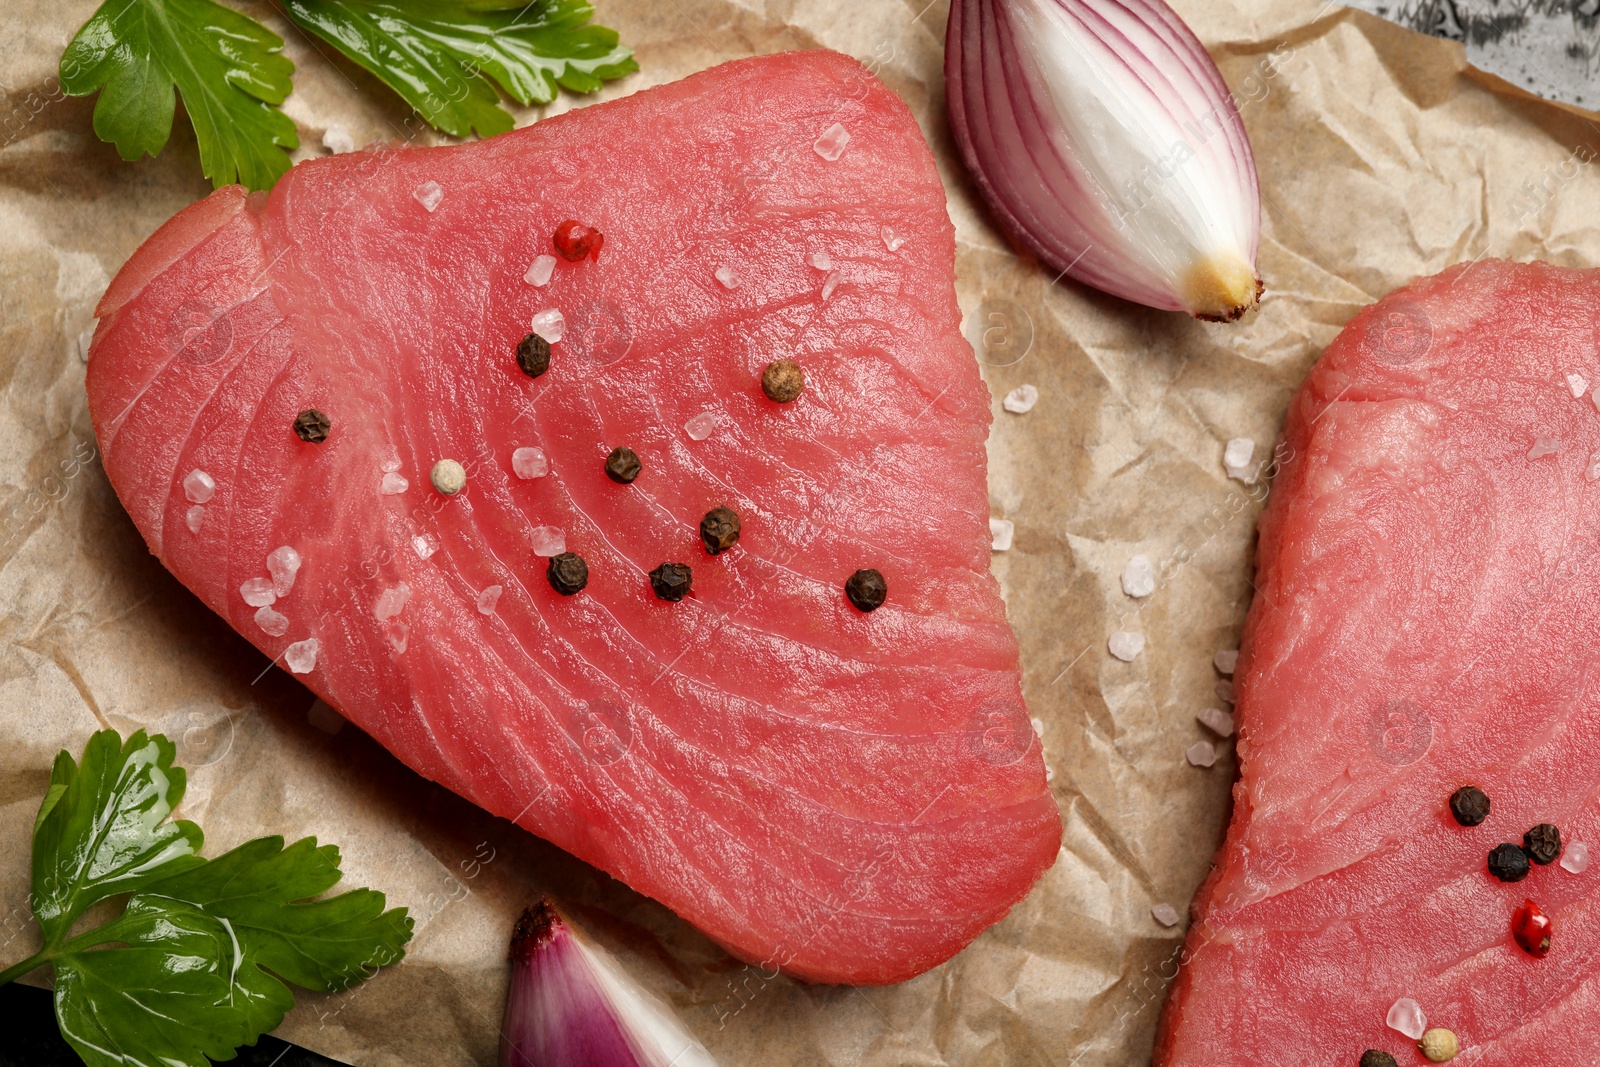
x=1382, y=156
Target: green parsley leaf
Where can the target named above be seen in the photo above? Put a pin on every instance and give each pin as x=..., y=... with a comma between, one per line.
x=325, y=945
x=226, y=65
x=197, y=962
x=101, y=829
x=445, y=59
x=174, y=991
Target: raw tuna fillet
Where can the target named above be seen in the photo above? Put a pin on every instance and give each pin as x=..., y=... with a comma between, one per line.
x=1427, y=616
x=850, y=796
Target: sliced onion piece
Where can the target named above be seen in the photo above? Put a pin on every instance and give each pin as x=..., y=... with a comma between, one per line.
x=1104, y=139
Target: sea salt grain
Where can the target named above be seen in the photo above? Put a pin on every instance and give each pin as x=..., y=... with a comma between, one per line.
x=529, y=463
x=830, y=146
x=424, y=545
x=699, y=428
x=820, y=260
x=199, y=486
x=301, y=657
x=829, y=284
x=1201, y=754
x=398, y=635
x=393, y=484
x=391, y=602
x=1578, y=385
x=1224, y=691
x=1216, y=720
x=1544, y=446
x=548, y=540
x=258, y=592
x=389, y=466
x=489, y=598
x=1139, y=577
x=272, y=623
x=1592, y=471
x=1575, y=857
x=540, y=270
x=1236, y=459
x=549, y=324
x=1126, y=645
x=1226, y=660
x=283, y=564
x=1405, y=1015
x=891, y=241
x=1020, y=400
x=727, y=276
x=428, y=194
x=1001, y=531
x=336, y=140
x=1165, y=914
x=195, y=516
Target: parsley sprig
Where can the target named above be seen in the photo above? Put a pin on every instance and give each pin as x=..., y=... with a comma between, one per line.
x=449, y=59
x=196, y=963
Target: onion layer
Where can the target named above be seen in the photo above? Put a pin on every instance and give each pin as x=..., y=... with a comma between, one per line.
x=1102, y=136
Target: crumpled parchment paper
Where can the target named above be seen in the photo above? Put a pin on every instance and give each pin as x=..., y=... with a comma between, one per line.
x=1382, y=156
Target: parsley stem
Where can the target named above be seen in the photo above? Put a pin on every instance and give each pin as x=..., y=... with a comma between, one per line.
x=18, y=970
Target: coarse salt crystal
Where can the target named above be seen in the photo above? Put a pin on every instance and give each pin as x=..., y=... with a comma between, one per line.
x=1139, y=577
x=1592, y=471
x=301, y=657
x=1020, y=400
x=391, y=601
x=699, y=428
x=428, y=194
x=194, y=517
x=398, y=634
x=258, y=592
x=1001, y=531
x=529, y=462
x=489, y=598
x=829, y=284
x=1575, y=857
x=1201, y=754
x=891, y=240
x=1126, y=645
x=1225, y=660
x=1236, y=457
x=283, y=564
x=1165, y=914
x=1544, y=446
x=549, y=324
x=1405, y=1015
x=548, y=540
x=830, y=146
x=336, y=140
x=389, y=465
x=272, y=623
x=1216, y=720
x=1577, y=384
x=1038, y=725
x=199, y=486
x=1224, y=690
x=539, y=270
x=424, y=545
x=727, y=276
x=820, y=260
x=393, y=484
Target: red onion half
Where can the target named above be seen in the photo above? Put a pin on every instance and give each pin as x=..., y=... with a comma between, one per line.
x=1102, y=136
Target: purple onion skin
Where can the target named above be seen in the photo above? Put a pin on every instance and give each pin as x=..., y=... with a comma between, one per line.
x=1043, y=199
x=556, y=1013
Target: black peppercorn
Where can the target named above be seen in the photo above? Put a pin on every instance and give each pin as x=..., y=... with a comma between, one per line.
x=533, y=355
x=568, y=573
x=671, y=581
x=1469, y=805
x=1376, y=1058
x=783, y=380
x=312, y=426
x=623, y=466
x=719, y=529
x=1508, y=863
x=866, y=589
x=1542, y=844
